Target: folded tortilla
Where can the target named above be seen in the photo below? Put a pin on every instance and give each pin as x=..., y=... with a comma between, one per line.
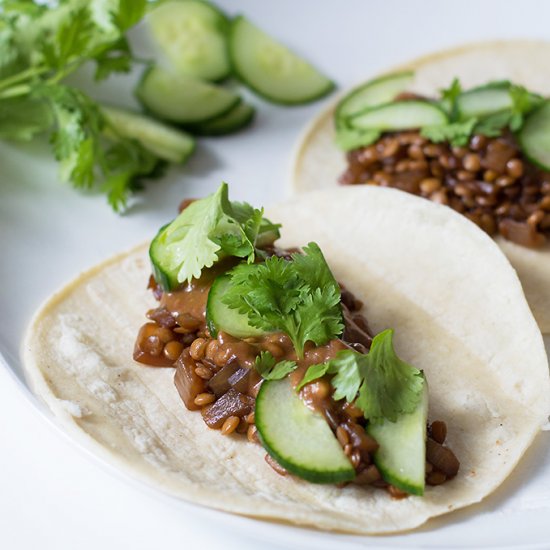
x=318, y=162
x=458, y=311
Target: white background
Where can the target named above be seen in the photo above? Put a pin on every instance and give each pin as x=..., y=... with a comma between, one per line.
x=52, y=494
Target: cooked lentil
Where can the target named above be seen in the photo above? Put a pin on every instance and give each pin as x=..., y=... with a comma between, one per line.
x=489, y=181
x=230, y=425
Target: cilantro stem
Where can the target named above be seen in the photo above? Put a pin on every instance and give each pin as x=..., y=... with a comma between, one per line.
x=15, y=91
x=23, y=75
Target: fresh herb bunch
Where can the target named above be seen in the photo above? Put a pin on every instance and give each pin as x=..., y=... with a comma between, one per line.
x=41, y=45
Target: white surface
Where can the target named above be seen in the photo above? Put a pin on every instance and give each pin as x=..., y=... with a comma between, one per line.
x=52, y=495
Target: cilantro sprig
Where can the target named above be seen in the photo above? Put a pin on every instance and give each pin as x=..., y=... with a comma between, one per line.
x=206, y=231
x=40, y=46
x=299, y=297
x=380, y=384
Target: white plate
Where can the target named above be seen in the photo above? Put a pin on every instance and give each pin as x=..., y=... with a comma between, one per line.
x=49, y=233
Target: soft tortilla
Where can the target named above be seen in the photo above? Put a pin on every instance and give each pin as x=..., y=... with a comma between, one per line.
x=458, y=312
x=318, y=161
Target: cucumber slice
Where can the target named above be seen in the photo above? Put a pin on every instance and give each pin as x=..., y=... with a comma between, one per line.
x=239, y=117
x=534, y=137
x=165, y=142
x=372, y=94
x=297, y=437
x=270, y=69
x=183, y=99
x=193, y=37
x=484, y=101
x=220, y=317
x=166, y=278
x=402, y=115
x=401, y=457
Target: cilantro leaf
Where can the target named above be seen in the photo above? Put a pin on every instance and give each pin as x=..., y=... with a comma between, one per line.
x=208, y=230
x=457, y=133
x=269, y=369
x=128, y=13
x=70, y=40
x=312, y=373
x=22, y=118
x=381, y=385
x=116, y=59
x=492, y=125
x=449, y=97
x=523, y=103
x=299, y=297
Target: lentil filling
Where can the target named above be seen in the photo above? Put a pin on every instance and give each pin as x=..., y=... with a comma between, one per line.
x=489, y=181
x=216, y=376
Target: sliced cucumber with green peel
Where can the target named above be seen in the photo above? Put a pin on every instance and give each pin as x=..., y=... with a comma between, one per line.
x=401, y=456
x=272, y=70
x=239, y=117
x=193, y=36
x=534, y=137
x=181, y=99
x=372, y=94
x=401, y=115
x=163, y=141
x=297, y=437
x=220, y=317
x=484, y=101
x=164, y=276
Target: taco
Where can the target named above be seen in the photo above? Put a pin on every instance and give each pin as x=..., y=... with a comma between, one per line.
x=391, y=369
x=468, y=128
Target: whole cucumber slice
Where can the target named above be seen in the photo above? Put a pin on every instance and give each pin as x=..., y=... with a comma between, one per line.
x=182, y=99
x=402, y=115
x=297, y=437
x=272, y=70
x=401, y=457
x=193, y=37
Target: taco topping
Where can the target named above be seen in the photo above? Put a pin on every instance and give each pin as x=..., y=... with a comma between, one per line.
x=266, y=343
x=483, y=152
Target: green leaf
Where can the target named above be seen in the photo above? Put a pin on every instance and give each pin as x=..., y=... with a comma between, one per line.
x=127, y=13
x=348, y=139
x=269, y=369
x=313, y=373
x=299, y=297
x=449, y=98
x=492, y=125
x=210, y=229
x=457, y=133
x=389, y=386
x=71, y=39
x=22, y=118
x=379, y=383
x=116, y=59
